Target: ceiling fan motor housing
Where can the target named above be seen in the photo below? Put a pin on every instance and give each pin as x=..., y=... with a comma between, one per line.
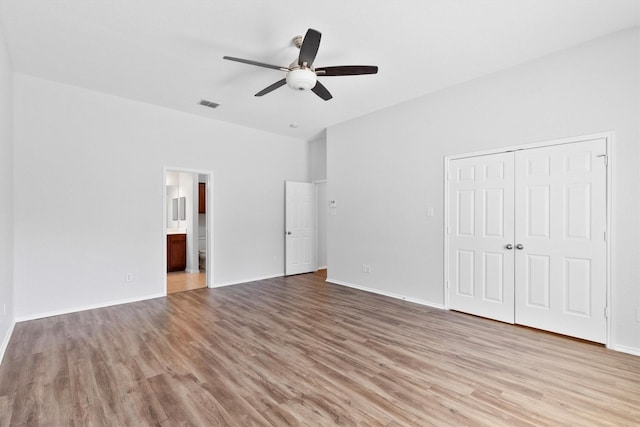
x=301, y=79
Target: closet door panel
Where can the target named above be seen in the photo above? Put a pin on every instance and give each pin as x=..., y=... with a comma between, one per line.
x=560, y=208
x=480, y=227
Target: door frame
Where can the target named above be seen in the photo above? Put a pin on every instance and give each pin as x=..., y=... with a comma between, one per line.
x=609, y=138
x=209, y=219
x=318, y=207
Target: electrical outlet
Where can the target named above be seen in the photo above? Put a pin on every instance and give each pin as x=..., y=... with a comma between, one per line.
x=638, y=314
x=129, y=277
x=366, y=268
x=4, y=309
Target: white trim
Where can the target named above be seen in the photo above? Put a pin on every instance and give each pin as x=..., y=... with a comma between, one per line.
x=559, y=141
x=5, y=341
x=445, y=234
x=624, y=349
x=209, y=245
x=609, y=138
x=317, y=208
x=608, y=243
x=209, y=214
x=240, y=282
x=386, y=294
x=86, y=307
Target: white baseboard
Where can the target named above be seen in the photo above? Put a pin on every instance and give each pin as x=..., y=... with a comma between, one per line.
x=223, y=284
x=193, y=271
x=625, y=349
x=387, y=294
x=5, y=341
x=620, y=348
x=85, y=307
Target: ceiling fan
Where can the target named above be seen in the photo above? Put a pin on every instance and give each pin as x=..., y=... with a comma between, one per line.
x=301, y=74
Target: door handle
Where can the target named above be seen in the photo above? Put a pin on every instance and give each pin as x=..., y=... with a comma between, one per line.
x=288, y=233
x=509, y=246
x=519, y=246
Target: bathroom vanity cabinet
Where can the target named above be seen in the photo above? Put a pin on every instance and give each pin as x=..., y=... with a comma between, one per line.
x=176, y=252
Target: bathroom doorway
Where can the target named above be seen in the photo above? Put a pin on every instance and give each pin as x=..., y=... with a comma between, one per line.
x=188, y=220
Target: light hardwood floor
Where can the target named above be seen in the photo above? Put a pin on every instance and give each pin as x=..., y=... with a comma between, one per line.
x=299, y=351
x=180, y=281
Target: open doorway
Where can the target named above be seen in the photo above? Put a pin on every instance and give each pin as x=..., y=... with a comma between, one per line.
x=188, y=223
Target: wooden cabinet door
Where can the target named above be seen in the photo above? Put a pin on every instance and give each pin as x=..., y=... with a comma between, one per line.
x=202, y=198
x=176, y=252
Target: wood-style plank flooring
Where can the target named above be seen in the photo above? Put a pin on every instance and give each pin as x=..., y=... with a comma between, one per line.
x=299, y=351
x=180, y=281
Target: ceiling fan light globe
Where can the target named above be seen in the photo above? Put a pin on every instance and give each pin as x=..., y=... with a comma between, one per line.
x=301, y=79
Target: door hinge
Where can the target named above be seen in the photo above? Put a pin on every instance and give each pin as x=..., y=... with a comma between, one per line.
x=606, y=312
x=605, y=159
x=447, y=284
x=605, y=236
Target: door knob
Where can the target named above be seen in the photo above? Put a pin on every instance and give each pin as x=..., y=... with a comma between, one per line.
x=288, y=233
x=519, y=246
x=509, y=246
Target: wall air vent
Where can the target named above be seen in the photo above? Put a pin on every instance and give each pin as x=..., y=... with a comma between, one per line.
x=208, y=103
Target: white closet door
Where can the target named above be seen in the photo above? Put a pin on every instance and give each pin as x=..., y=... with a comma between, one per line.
x=480, y=231
x=560, y=224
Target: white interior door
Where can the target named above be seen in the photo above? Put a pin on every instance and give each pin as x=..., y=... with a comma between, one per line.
x=560, y=235
x=300, y=245
x=480, y=234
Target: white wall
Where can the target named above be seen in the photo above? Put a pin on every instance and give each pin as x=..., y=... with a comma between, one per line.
x=318, y=172
x=189, y=189
x=78, y=152
x=318, y=159
x=386, y=169
x=173, y=192
x=6, y=196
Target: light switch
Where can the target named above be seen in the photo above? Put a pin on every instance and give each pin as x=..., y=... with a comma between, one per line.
x=429, y=212
x=333, y=204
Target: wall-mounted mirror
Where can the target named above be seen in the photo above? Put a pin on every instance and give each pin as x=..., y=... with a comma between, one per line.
x=179, y=208
x=182, y=208
x=173, y=193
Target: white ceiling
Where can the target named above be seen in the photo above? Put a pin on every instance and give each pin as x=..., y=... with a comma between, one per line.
x=169, y=53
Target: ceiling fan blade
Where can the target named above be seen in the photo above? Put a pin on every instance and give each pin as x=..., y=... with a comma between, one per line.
x=322, y=91
x=256, y=63
x=309, y=48
x=271, y=88
x=347, y=70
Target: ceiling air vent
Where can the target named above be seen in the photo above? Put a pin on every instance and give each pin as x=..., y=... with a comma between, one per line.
x=208, y=103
